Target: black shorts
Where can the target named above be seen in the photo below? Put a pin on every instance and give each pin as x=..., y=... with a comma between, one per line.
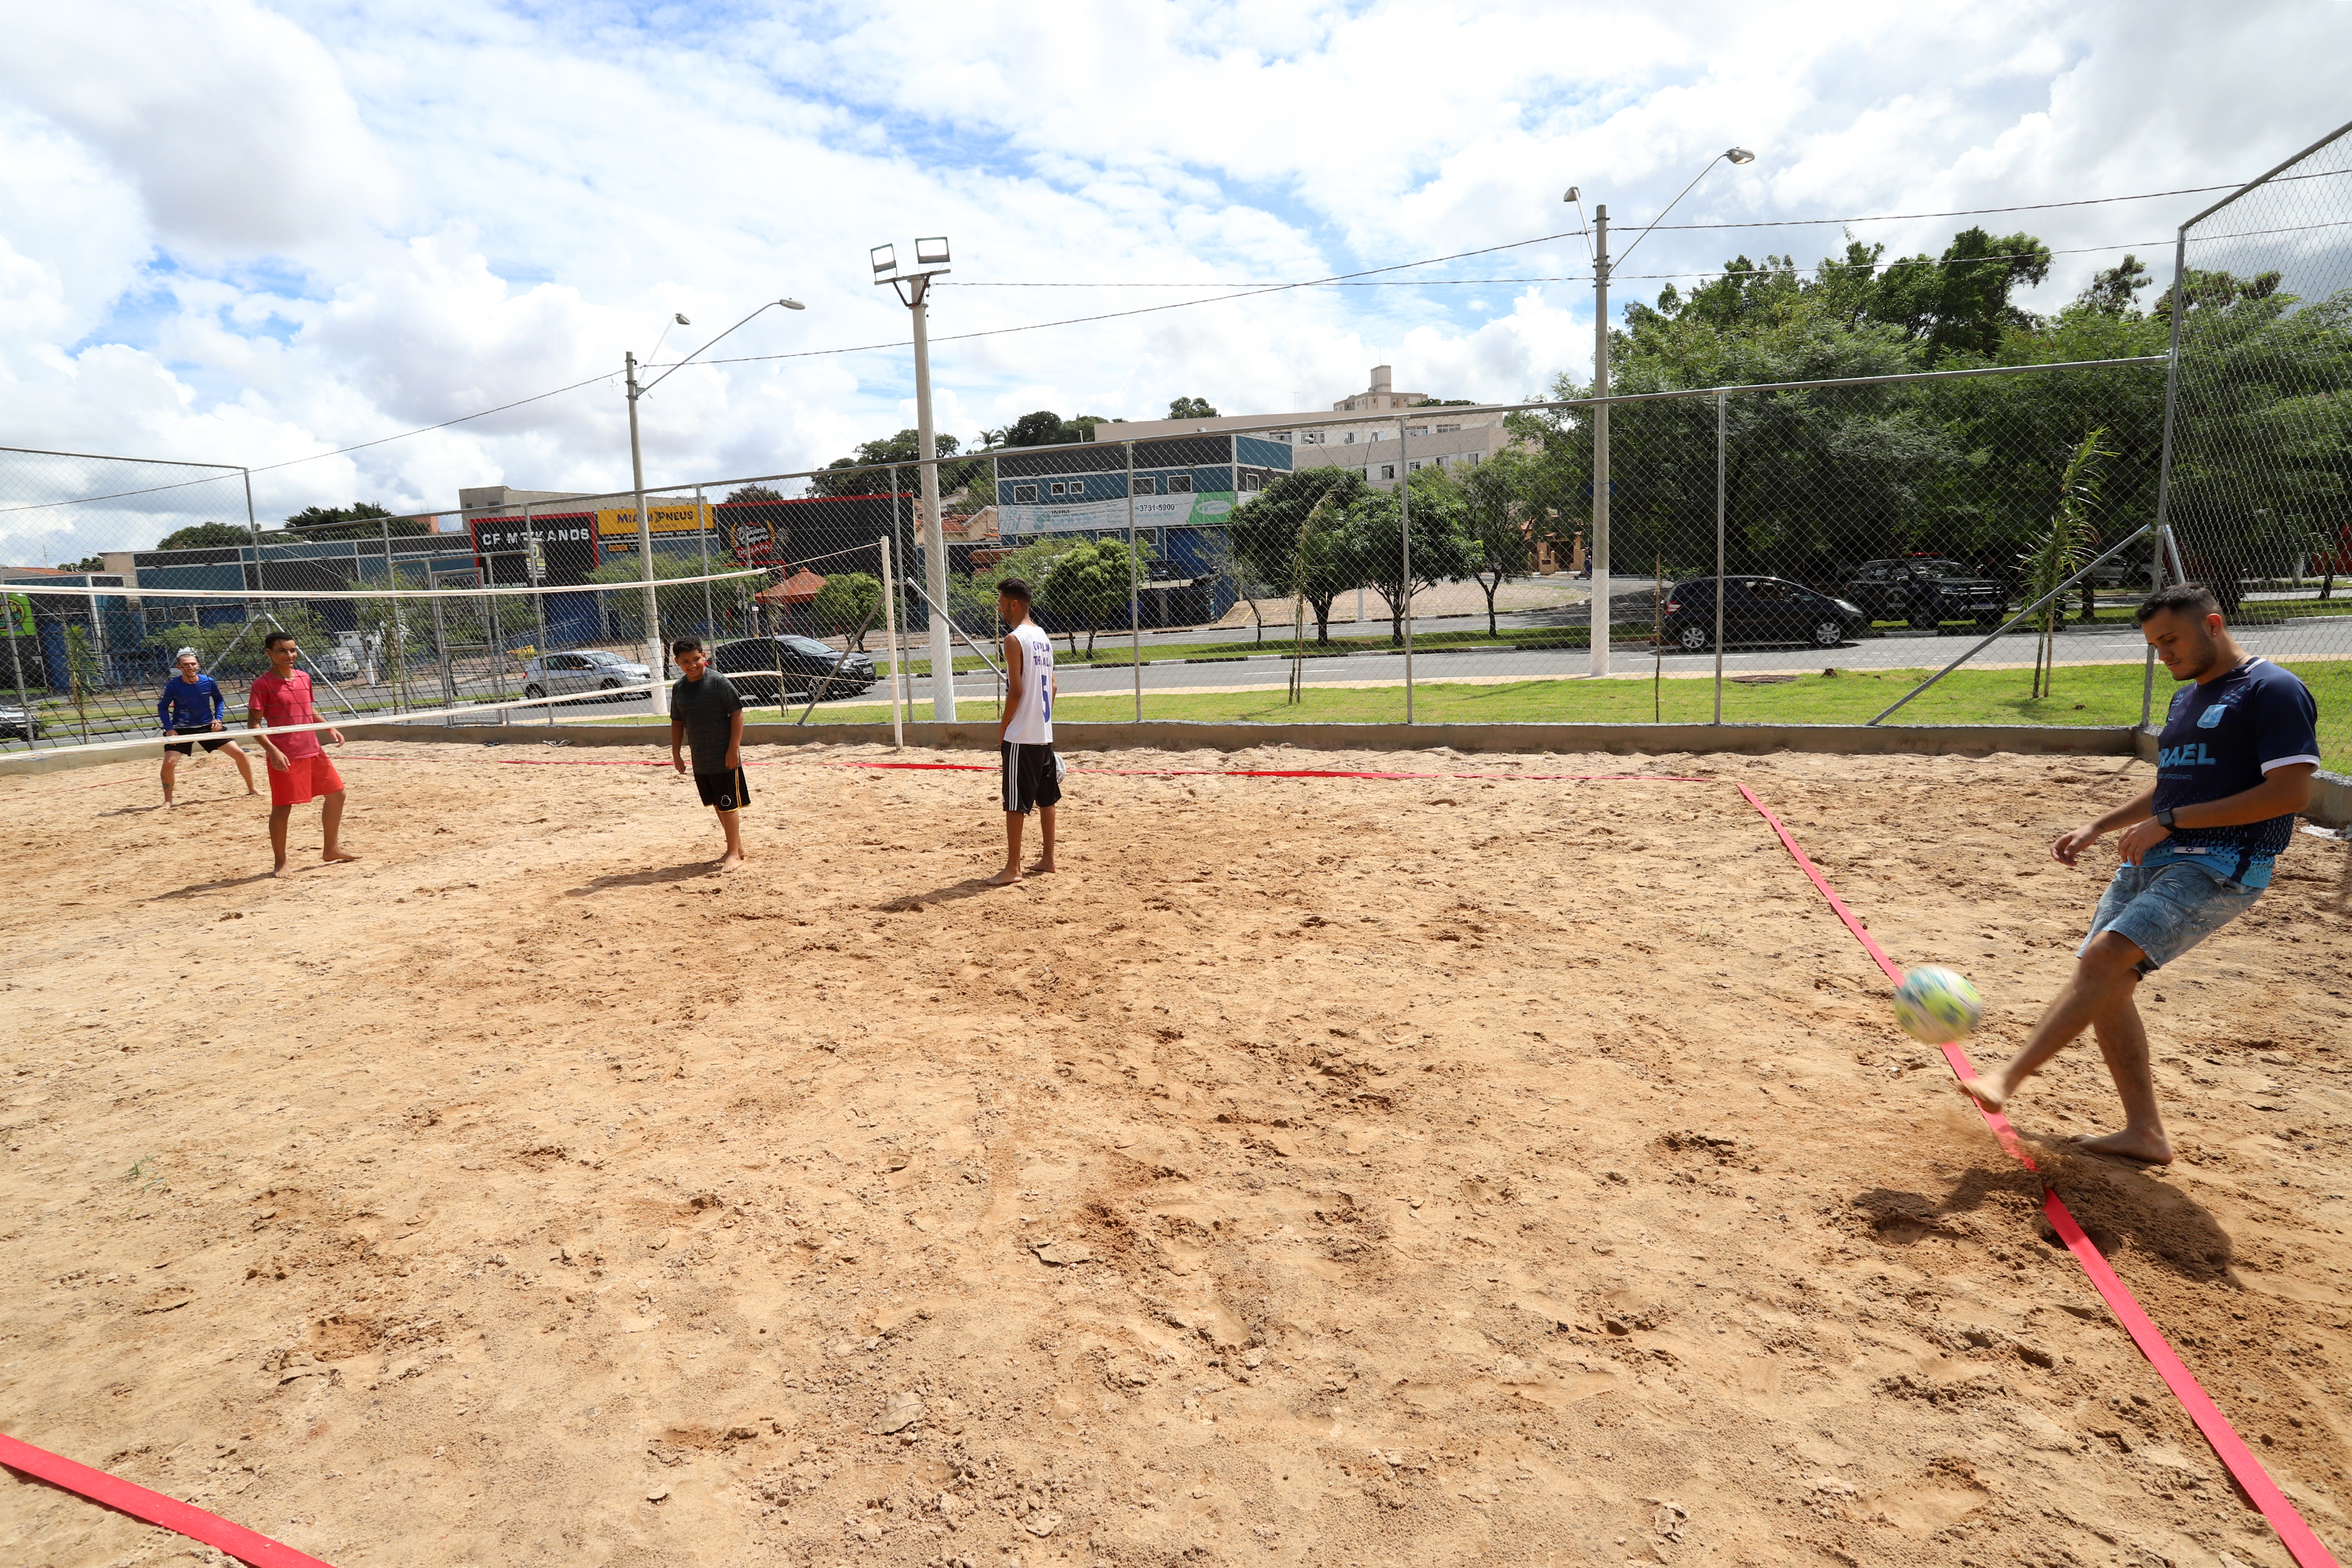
x=729, y=790
x=188, y=748
x=1032, y=776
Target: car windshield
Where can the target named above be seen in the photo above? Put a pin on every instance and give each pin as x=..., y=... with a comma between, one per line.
x=809, y=646
x=599, y=657
x=1941, y=568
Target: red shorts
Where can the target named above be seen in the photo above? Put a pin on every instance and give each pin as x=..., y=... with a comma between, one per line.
x=303, y=780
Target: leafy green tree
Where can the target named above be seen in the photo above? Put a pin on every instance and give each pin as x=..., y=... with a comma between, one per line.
x=361, y=520
x=1376, y=540
x=1089, y=587
x=86, y=563
x=867, y=473
x=679, y=604
x=233, y=649
x=1191, y=408
x=847, y=605
x=2066, y=550
x=743, y=493
x=1499, y=541
x=2114, y=292
x=83, y=674
x=206, y=536
x=1270, y=544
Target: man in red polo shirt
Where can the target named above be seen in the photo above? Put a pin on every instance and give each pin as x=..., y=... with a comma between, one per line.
x=300, y=772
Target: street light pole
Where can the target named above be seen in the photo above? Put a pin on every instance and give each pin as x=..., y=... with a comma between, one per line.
x=656, y=659
x=1599, y=556
x=913, y=289
x=935, y=539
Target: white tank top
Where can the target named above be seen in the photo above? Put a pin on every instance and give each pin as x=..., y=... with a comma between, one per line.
x=1032, y=722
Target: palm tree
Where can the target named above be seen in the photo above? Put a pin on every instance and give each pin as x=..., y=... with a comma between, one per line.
x=2065, y=550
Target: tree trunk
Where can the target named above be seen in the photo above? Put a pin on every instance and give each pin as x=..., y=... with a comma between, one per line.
x=1490, y=602
x=1323, y=622
x=2089, y=611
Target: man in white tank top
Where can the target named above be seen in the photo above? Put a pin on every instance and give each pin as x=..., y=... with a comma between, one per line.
x=1031, y=773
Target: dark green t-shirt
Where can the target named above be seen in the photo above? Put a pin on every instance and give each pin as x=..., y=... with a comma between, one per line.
x=707, y=707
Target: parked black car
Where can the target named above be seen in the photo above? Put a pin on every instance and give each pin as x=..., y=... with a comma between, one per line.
x=1758, y=610
x=1927, y=591
x=751, y=665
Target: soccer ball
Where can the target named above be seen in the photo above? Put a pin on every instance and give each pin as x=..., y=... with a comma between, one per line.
x=1938, y=1005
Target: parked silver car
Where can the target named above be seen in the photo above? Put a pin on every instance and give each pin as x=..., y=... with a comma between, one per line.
x=590, y=670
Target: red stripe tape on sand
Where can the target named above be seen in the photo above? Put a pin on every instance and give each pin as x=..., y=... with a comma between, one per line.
x=2301, y=1543
x=187, y=1519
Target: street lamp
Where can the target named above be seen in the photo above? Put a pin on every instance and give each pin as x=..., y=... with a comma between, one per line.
x=913, y=289
x=1600, y=558
x=656, y=659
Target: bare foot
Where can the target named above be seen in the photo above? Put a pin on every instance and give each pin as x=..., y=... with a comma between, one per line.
x=1986, y=1093
x=281, y=871
x=2147, y=1148
x=730, y=861
x=169, y=803
x=1042, y=868
x=253, y=792
x=1006, y=878
x=332, y=856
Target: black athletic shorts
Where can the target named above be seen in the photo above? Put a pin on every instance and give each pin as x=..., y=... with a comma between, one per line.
x=188, y=748
x=729, y=790
x=1032, y=776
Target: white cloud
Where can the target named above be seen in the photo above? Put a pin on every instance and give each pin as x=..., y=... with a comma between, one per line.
x=248, y=235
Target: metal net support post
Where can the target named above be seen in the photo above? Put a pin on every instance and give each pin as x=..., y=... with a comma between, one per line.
x=1404, y=543
x=1134, y=590
x=891, y=629
x=1722, y=404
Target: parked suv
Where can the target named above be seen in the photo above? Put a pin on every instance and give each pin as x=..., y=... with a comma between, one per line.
x=1758, y=610
x=1927, y=591
x=16, y=724
x=764, y=668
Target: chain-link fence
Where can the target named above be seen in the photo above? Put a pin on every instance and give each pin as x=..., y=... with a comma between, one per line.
x=1806, y=549
x=2258, y=499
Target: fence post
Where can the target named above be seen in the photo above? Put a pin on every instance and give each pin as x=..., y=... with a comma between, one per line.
x=702, y=537
x=1134, y=590
x=1404, y=539
x=1720, y=402
x=2163, y=460
x=890, y=625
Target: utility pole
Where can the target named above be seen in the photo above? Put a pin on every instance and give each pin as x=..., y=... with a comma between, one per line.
x=655, y=661
x=913, y=289
x=1600, y=554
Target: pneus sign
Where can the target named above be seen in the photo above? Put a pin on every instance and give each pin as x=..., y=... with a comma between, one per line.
x=1202, y=507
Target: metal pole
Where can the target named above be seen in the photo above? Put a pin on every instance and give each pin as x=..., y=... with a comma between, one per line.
x=1404, y=539
x=890, y=625
x=934, y=541
x=1134, y=590
x=16, y=660
x=655, y=659
x=1718, y=555
x=702, y=537
x=1599, y=556
x=440, y=640
x=534, y=560
x=2163, y=460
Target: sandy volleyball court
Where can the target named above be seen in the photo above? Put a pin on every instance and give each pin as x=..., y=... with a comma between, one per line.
x=1487, y=1170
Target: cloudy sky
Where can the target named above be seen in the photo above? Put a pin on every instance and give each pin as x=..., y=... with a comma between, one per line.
x=252, y=233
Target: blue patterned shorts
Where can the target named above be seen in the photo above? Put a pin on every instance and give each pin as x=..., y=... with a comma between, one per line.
x=2165, y=910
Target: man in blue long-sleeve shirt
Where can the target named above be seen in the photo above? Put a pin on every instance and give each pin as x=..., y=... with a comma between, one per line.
x=192, y=704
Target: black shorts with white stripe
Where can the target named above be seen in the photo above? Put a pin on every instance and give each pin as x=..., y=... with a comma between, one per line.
x=1032, y=776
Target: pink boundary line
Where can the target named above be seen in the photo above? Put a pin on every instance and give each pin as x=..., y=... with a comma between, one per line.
x=2297, y=1536
x=187, y=1519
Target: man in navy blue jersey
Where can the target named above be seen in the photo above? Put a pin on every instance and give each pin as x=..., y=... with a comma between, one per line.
x=192, y=704
x=2234, y=766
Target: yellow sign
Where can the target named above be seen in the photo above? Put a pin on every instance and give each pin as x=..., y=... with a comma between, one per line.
x=684, y=518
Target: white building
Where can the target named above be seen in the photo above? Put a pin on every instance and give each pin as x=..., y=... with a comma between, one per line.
x=1426, y=434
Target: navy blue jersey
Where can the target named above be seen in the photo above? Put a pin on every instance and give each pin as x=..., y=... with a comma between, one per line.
x=2220, y=738
x=187, y=706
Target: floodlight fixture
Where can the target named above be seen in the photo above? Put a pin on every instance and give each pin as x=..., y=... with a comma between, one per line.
x=679, y=317
x=932, y=252
x=886, y=259
x=791, y=304
x=1571, y=195
x=1740, y=155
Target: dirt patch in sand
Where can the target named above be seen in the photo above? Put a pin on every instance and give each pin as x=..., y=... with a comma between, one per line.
x=1440, y=1172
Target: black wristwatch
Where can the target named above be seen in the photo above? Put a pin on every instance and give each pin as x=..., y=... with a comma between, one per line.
x=2164, y=819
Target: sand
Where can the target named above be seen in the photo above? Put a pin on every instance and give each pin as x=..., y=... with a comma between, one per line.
x=1444, y=1172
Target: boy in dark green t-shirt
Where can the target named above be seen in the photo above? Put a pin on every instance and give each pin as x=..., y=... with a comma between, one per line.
x=706, y=717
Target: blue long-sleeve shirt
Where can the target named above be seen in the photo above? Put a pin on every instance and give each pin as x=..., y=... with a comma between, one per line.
x=187, y=706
